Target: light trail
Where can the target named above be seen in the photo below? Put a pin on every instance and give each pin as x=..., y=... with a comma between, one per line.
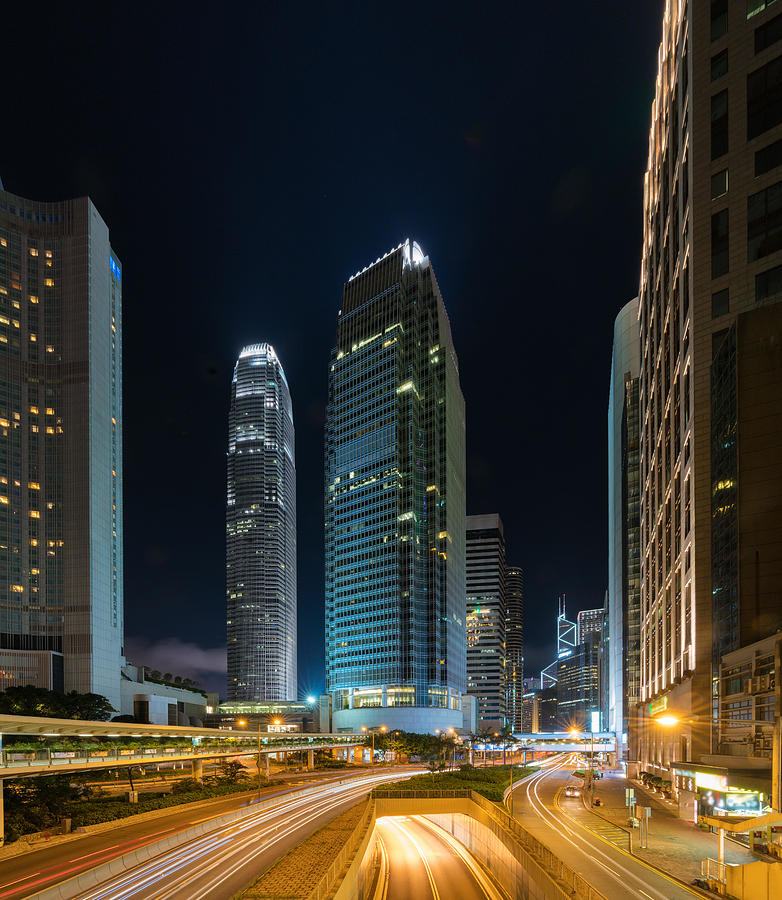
x=427, y=868
x=556, y=822
x=482, y=880
x=219, y=852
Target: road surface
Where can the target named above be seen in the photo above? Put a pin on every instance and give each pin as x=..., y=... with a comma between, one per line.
x=25, y=875
x=422, y=861
x=594, y=848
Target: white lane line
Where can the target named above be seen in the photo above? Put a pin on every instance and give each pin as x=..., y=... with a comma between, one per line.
x=210, y=851
x=210, y=847
x=560, y=827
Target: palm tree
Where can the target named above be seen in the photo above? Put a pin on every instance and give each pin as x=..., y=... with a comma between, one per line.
x=506, y=738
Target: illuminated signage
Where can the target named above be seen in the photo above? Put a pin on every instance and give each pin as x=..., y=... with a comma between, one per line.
x=115, y=268
x=659, y=705
x=711, y=781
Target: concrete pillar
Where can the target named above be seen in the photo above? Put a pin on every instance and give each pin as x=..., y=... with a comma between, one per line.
x=310, y=760
x=198, y=769
x=722, y=845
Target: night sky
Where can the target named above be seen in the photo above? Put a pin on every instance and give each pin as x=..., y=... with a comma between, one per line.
x=249, y=158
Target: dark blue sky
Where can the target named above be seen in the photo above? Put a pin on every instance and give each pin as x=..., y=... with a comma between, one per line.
x=250, y=159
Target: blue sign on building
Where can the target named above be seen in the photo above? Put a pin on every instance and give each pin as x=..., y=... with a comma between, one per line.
x=115, y=268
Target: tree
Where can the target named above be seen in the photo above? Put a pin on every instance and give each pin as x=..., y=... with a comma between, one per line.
x=166, y=676
x=35, y=701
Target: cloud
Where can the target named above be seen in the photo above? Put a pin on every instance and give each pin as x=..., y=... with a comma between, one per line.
x=178, y=657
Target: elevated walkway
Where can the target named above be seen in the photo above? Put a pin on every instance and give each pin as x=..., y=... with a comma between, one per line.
x=204, y=744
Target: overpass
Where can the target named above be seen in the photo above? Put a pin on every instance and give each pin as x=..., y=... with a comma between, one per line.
x=556, y=742
x=100, y=745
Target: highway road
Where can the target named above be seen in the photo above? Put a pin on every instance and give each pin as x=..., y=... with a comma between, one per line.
x=231, y=856
x=588, y=844
x=421, y=861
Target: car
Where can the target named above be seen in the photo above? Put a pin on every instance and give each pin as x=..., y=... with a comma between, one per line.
x=572, y=790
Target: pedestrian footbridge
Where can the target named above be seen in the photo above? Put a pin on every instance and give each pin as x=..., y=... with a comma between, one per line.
x=118, y=744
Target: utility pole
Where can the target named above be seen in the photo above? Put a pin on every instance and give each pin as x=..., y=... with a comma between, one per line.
x=259, y=760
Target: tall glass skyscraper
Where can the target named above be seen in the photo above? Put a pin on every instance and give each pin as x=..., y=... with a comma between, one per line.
x=61, y=604
x=486, y=615
x=395, y=503
x=624, y=528
x=261, y=531
x=514, y=645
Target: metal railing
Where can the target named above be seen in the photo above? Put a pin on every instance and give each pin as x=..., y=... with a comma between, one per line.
x=326, y=884
x=714, y=870
x=421, y=795
x=49, y=758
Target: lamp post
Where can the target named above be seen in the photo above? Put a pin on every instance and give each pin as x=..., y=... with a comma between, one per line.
x=670, y=720
x=243, y=724
x=371, y=731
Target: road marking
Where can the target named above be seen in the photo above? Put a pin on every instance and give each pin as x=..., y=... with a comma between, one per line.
x=9, y=883
x=381, y=890
x=489, y=891
x=421, y=853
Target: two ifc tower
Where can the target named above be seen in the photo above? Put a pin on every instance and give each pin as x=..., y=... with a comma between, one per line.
x=394, y=509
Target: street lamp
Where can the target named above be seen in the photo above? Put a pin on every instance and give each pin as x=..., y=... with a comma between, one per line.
x=243, y=722
x=669, y=720
x=371, y=730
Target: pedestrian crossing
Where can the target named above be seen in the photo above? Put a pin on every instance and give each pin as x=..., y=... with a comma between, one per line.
x=611, y=833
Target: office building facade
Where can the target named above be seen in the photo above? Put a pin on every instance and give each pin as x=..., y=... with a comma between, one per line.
x=710, y=322
x=61, y=587
x=578, y=685
x=394, y=503
x=514, y=646
x=486, y=614
x=589, y=621
x=261, y=531
x=624, y=528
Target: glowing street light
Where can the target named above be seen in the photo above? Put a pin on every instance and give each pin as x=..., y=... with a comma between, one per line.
x=667, y=721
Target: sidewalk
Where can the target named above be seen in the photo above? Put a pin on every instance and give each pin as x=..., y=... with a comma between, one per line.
x=675, y=846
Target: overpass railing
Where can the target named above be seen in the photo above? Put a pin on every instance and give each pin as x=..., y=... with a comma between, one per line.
x=9, y=759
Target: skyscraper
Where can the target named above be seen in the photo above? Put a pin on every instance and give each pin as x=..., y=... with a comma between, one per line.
x=589, y=621
x=61, y=602
x=624, y=526
x=486, y=617
x=394, y=503
x=710, y=398
x=261, y=531
x=514, y=646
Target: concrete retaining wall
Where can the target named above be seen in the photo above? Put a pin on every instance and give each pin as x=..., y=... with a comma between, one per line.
x=755, y=881
x=478, y=825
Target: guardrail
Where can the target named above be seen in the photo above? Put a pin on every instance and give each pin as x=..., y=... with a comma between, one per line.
x=714, y=870
x=326, y=884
